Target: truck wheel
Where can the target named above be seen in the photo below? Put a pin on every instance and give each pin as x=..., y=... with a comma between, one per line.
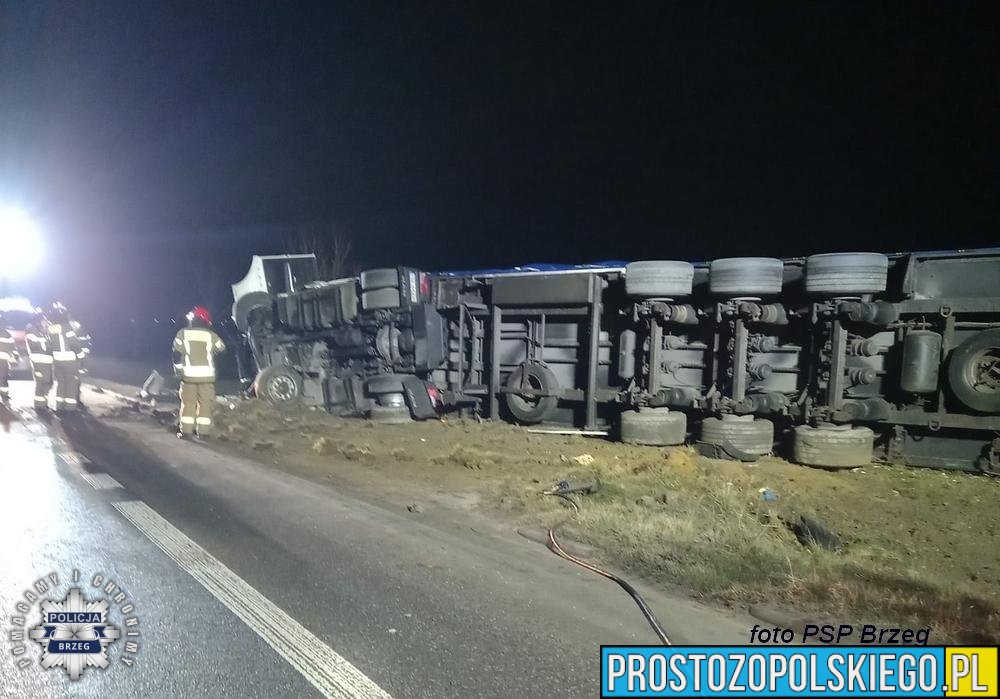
x=385, y=278
x=385, y=383
x=278, y=385
x=974, y=372
x=833, y=446
x=846, y=273
x=531, y=409
x=738, y=436
x=745, y=276
x=659, y=427
x=380, y=298
x=390, y=414
x=658, y=279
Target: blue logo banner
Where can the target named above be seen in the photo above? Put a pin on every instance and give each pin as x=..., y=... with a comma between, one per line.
x=770, y=671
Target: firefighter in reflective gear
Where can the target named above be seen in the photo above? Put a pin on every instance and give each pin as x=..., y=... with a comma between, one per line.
x=195, y=348
x=36, y=338
x=8, y=356
x=84, y=339
x=67, y=353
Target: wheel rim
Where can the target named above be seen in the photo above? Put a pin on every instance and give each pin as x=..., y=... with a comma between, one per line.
x=528, y=402
x=983, y=371
x=282, y=388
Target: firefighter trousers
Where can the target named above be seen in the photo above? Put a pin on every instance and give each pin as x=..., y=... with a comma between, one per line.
x=67, y=376
x=4, y=379
x=43, y=384
x=197, y=402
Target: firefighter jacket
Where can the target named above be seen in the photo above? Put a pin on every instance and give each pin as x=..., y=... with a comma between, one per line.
x=194, y=353
x=8, y=349
x=65, y=344
x=39, y=347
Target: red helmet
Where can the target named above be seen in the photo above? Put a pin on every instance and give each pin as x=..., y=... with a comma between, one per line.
x=202, y=314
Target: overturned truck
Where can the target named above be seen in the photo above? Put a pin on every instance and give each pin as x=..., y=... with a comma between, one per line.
x=834, y=359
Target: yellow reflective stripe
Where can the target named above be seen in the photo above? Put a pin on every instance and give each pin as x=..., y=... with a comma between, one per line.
x=187, y=420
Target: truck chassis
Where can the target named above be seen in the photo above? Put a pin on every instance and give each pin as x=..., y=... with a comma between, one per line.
x=834, y=359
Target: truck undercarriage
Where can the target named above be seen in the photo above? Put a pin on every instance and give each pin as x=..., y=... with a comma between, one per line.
x=834, y=359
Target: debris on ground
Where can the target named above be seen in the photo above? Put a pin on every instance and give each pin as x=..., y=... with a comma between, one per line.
x=767, y=495
x=354, y=452
x=811, y=532
x=325, y=446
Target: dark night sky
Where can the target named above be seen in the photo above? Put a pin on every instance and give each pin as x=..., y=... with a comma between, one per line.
x=470, y=134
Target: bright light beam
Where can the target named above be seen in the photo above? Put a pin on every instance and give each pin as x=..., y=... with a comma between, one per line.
x=20, y=243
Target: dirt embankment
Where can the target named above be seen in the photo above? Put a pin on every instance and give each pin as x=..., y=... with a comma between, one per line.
x=916, y=547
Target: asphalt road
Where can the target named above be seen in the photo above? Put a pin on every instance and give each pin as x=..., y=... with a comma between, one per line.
x=249, y=582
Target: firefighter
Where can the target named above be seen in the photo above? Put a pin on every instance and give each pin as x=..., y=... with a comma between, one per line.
x=36, y=338
x=8, y=356
x=84, y=342
x=194, y=349
x=67, y=352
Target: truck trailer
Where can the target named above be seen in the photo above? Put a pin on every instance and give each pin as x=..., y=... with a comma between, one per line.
x=834, y=359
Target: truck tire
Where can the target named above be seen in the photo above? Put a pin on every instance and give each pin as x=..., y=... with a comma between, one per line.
x=745, y=276
x=846, y=273
x=385, y=383
x=738, y=436
x=974, y=372
x=384, y=278
x=659, y=427
x=390, y=414
x=380, y=298
x=278, y=385
x=833, y=446
x=658, y=279
x=530, y=410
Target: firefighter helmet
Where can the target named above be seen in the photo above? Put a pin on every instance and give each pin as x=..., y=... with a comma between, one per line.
x=201, y=314
x=58, y=312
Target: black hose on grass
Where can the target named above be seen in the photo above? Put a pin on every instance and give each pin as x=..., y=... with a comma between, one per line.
x=562, y=491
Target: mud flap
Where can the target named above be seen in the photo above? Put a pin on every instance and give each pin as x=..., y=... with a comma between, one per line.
x=421, y=406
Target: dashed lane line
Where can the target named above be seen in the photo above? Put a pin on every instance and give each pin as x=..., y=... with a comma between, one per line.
x=328, y=671
x=100, y=481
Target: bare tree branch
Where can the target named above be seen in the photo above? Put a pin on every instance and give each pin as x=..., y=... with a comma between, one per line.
x=332, y=247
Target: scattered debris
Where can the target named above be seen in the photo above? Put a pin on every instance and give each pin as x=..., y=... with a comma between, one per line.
x=324, y=446
x=354, y=452
x=152, y=387
x=264, y=446
x=582, y=459
x=414, y=508
x=813, y=533
x=767, y=495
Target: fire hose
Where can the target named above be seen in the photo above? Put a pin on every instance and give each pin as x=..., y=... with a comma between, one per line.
x=563, y=490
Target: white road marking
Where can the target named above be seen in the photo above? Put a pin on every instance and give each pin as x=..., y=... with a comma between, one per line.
x=100, y=481
x=74, y=458
x=328, y=671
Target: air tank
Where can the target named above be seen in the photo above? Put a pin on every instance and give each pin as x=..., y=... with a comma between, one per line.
x=626, y=354
x=921, y=361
